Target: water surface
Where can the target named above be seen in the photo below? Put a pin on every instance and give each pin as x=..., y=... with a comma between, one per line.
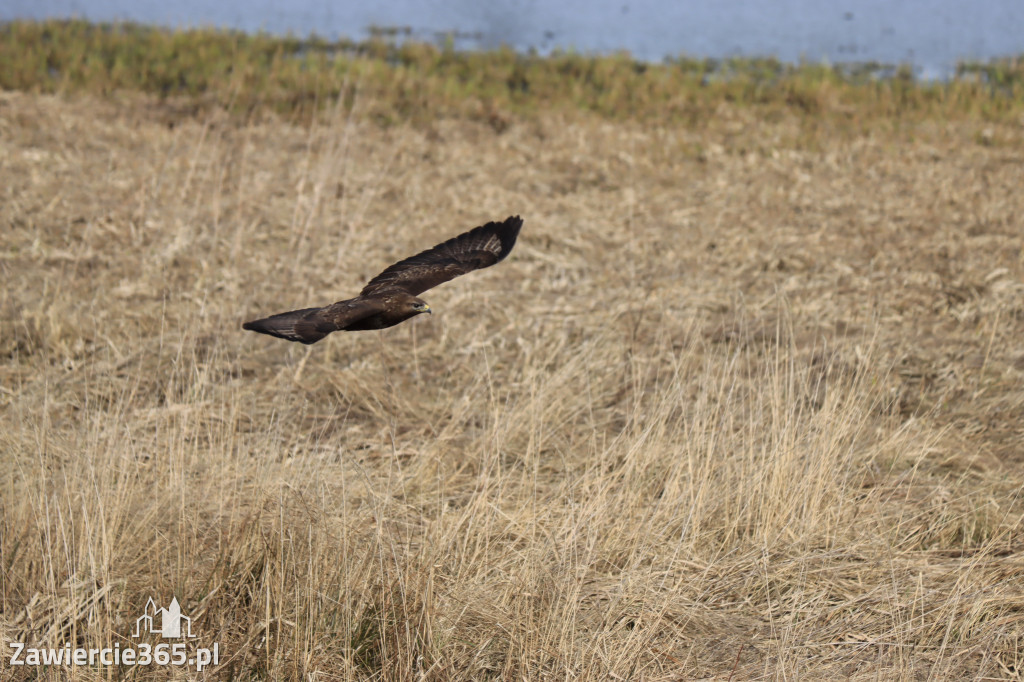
x=928, y=34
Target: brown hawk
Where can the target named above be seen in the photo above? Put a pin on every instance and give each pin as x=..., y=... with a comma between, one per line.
x=391, y=296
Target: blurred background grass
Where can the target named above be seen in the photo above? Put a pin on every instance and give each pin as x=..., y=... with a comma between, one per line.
x=415, y=81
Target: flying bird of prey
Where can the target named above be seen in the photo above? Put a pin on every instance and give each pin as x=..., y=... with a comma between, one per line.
x=391, y=296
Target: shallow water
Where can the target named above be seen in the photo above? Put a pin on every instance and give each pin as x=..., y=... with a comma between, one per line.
x=929, y=34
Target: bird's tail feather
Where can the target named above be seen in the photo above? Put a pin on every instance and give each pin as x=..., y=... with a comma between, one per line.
x=296, y=325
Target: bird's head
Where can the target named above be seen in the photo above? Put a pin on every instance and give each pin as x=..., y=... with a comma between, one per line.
x=419, y=306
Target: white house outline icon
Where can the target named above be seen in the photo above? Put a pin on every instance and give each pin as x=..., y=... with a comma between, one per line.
x=171, y=619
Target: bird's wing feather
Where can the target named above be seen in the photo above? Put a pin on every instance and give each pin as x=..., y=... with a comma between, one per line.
x=479, y=248
x=309, y=325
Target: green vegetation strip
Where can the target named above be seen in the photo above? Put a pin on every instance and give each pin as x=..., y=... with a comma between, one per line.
x=414, y=80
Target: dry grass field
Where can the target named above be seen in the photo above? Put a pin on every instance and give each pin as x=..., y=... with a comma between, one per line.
x=746, y=401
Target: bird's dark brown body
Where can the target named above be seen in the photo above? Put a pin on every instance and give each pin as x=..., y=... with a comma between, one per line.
x=390, y=298
x=395, y=311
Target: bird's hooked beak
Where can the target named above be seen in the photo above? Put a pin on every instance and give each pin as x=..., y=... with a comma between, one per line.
x=424, y=308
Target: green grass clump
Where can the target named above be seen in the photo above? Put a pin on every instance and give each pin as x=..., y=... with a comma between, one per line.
x=415, y=81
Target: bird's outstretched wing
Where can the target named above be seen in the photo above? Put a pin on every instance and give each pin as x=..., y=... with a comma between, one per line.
x=481, y=247
x=309, y=325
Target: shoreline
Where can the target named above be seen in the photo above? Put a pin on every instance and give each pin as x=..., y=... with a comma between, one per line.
x=419, y=80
